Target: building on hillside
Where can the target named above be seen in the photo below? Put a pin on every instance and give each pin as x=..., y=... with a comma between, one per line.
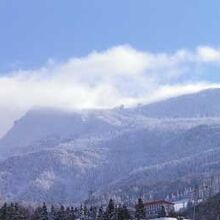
x=158, y=207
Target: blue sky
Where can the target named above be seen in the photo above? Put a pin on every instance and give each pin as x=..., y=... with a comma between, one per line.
x=34, y=31
x=74, y=54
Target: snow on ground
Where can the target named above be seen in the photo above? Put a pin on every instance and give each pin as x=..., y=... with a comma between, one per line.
x=167, y=218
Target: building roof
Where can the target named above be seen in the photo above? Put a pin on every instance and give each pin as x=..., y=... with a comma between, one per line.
x=156, y=202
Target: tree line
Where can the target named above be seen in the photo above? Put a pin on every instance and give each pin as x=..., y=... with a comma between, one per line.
x=16, y=211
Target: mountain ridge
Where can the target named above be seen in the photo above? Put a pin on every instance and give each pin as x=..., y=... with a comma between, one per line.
x=59, y=157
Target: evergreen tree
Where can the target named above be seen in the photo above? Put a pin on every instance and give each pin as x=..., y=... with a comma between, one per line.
x=52, y=214
x=61, y=213
x=73, y=213
x=85, y=213
x=162, y=212
x=13, y=212
x=67, y=214
x=122, y=213
x=81, y=212
x=20, y=212
x=37, y=215
x=76, y=212
x=10, y=211
x=92, y=213
x=16, y=211
x=44, y=212
x=3, y=211
x=140, y=212
x=100, y=214
x=110, y=209
x=40, y=213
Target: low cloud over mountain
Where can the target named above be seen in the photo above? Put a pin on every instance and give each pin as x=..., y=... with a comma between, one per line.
x=119, y=75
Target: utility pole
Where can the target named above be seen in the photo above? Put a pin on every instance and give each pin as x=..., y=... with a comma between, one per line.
x=194, y=202
x=218, y=216
x=194, y=211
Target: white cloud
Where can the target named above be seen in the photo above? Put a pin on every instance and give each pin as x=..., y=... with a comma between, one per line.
x=120, y=75
x=208, y=54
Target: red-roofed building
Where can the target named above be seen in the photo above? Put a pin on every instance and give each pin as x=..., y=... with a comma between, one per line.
x=155, y=208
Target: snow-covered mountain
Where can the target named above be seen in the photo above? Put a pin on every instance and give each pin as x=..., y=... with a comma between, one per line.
x=57, y=156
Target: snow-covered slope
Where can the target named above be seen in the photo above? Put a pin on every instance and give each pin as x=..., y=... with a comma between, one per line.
x=56, y=156
x=50, y=175
x=49, y=127
x=201, y=104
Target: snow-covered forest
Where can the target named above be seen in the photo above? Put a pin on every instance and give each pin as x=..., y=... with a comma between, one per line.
x=123, y=153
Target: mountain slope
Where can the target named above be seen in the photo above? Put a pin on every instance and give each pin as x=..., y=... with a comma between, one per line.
x=48, y=126
x=201, y=104
x=207, y=210
x=56, y=156
x=144, y=157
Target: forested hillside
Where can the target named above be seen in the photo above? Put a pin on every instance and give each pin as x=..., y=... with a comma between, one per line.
x=121, y=153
